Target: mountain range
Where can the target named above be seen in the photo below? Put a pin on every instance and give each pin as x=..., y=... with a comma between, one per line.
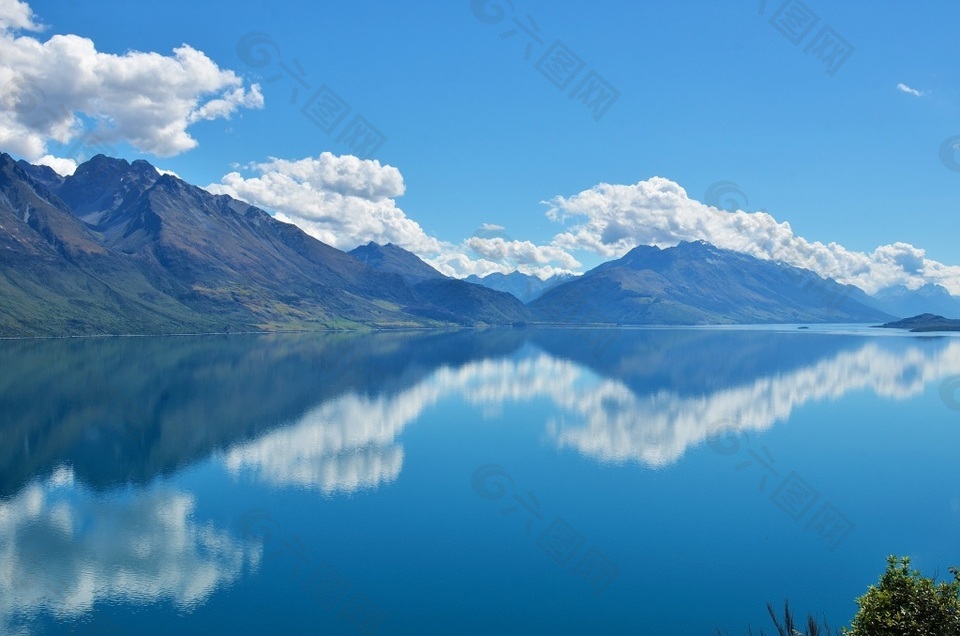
x=526, y=287
x=118, y=247
x=697, y=283
x=900, y=301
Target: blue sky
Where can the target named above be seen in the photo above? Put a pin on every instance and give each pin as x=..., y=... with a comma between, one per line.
x=467, y=113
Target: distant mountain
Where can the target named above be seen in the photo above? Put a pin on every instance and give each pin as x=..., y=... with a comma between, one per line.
x=524, y=286
x=119, y=248
x=445, y=299
x=697, y=283
x=925, y=322
x=930, y=298
x=393, y=259
x=466, y=302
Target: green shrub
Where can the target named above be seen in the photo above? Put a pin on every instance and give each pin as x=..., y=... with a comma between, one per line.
x=903, y=603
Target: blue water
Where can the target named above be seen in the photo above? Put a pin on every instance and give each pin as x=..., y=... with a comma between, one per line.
x=645, y=481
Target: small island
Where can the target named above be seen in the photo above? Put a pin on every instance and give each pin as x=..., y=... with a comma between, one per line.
x=925, y=322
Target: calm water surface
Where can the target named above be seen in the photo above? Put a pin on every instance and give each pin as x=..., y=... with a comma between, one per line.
x=648, y=481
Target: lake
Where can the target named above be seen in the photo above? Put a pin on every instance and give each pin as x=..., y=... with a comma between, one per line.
x=640, y=481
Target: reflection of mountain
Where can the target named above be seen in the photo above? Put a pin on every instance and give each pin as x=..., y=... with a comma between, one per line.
x=660, y=392
x=63, y=550
x=625, y=417
x=327, y=411
x=124, y=410
x=688, y=361
x=612, y=422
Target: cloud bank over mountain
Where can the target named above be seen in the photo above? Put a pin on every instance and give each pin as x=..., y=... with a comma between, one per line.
x=610, y=220
x=346, y=202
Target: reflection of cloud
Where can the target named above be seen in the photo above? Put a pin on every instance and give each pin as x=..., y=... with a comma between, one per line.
x=349, y=443
x=61, y=550
x=340, y=446
x=614, y=424
x=607, y=420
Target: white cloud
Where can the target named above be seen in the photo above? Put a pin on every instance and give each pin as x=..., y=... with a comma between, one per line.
x=609, y=220
x=342, y=201
x=15, y=14
x=346, y=175
x=459, y=264
x=521, y=252
x=491, y=227
x=48, y=89
x=345, y=202
x=903, y=88
x=62, y=166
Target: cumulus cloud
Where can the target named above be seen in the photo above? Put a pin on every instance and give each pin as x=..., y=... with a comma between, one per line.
x=62, y=166
x=609, y=220
x=903, y=88
x=50, y=89
x=345, y=202
x=521, y=252
x=342, y=201
x=15, y=14
x=346, y=175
